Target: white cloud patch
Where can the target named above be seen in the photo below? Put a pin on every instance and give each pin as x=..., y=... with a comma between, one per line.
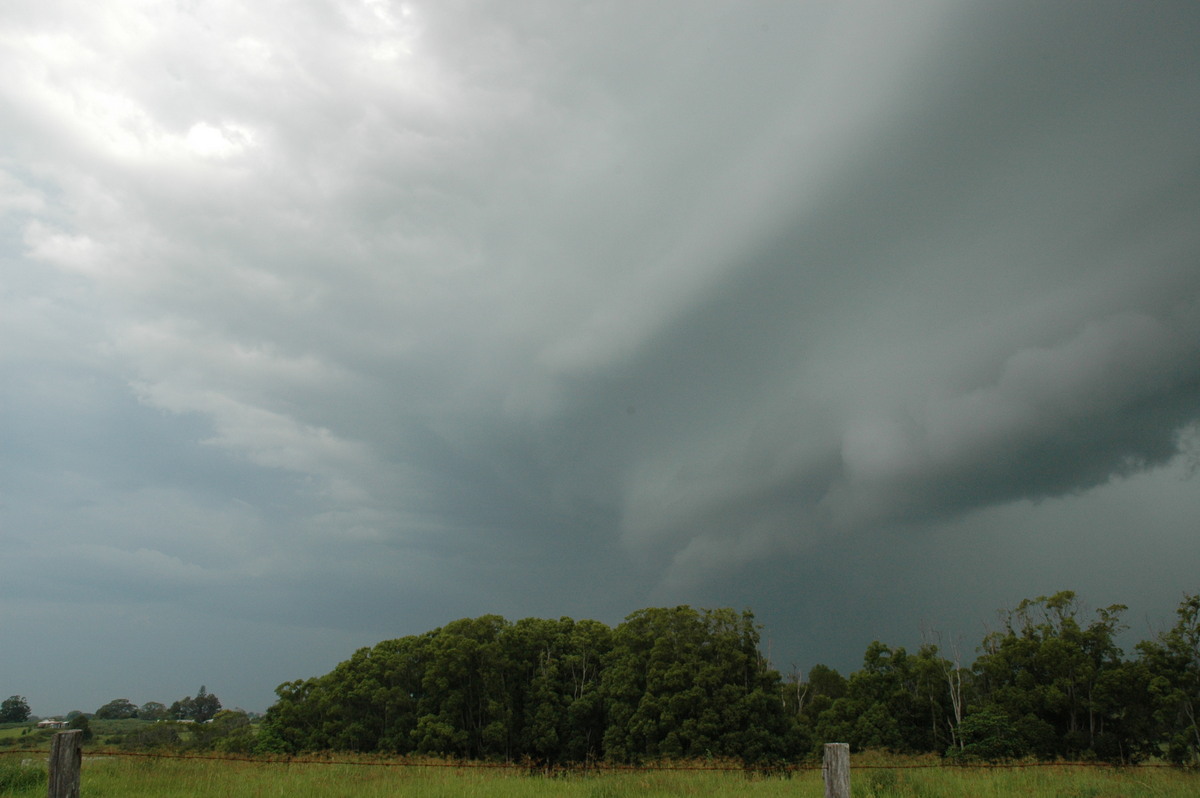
x=223, y=141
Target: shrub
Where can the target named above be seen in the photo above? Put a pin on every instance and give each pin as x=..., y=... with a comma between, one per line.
x=156, y=735
x=988, y=735
x=81, y=722
x=883, y=783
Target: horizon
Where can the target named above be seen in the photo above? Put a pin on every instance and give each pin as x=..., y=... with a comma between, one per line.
x=945, y=647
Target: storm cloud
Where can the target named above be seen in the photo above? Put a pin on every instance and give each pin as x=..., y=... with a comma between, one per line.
x=327, y=322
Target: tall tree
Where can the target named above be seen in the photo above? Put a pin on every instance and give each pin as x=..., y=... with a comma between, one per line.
x=205, y=706
x=1048, y=672
x=684, y=683
x=896, y=702
x=1173, y=666
x=200, y=709
x=957, y=681
x=464, y=709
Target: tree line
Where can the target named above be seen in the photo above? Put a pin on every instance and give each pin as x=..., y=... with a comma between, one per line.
x=685, y=683
x=193, y=723
x=200, y=708
x=665, y=683
x=1050, y=683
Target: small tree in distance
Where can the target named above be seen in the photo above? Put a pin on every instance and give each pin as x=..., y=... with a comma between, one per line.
x=118, y=709
x=200, y=709
x=81, y=722
x=153, y=710
x=14, y=709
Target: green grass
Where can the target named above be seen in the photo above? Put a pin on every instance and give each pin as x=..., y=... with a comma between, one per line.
x=1040, y=782
x=174, y=778
x=18, y=777
x=142, y=777
x=24, y=735
x=17, y=729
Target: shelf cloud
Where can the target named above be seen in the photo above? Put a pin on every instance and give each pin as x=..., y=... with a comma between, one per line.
x=335, y=321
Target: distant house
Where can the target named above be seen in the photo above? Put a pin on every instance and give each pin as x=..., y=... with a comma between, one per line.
x=52, y=724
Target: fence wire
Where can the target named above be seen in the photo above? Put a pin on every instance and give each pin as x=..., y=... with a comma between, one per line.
x=535, y=768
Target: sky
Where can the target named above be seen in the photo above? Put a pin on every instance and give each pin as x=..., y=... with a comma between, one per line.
x=327, y=322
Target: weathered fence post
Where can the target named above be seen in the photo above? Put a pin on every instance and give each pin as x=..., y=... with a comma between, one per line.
x=66, y=754
x=836, y=768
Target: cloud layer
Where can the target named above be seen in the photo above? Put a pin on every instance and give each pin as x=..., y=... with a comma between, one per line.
x=333, y=321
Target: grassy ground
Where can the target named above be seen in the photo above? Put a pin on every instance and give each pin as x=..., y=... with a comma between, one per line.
x=1050, y=782
x=105, y=733
x=24, y=735
x=14, y=729
x=135, y=777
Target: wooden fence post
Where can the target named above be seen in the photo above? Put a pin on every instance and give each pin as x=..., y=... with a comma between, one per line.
x=836, y=769
x=66, y=754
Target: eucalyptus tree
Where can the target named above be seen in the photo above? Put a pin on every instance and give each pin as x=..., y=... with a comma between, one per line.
x=1172, y=663
x=1052, y=674
x=686, y=683
x=896, y=701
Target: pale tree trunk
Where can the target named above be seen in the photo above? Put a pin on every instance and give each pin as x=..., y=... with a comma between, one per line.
x=952, y=670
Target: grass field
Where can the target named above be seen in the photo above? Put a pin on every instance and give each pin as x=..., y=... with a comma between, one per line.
x=8, y=730
x=138, y=777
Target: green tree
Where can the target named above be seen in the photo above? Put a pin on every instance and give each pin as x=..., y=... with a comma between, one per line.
x=1172, y=665
x=465, y=708
x=939, y=688
x=200, y=709
x=153, y=710
x=296, y=721
x=205, y=705
x=117, y=709
x=546, y=689
x=887, y=704
x=183, y=709
x=14, y=709
x=579, y=672
x=686, y=683
x=989, y=735
x=369, y=702
x=805, y=698
x=1129, y=732
x=1055, y=675
x=82, y=723
x=228, y=730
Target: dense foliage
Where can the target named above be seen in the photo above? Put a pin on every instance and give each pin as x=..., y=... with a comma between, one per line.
x=14, y=709
x=200, y=709
x=1048, y=684
x=679, y=682
x=665, y=683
